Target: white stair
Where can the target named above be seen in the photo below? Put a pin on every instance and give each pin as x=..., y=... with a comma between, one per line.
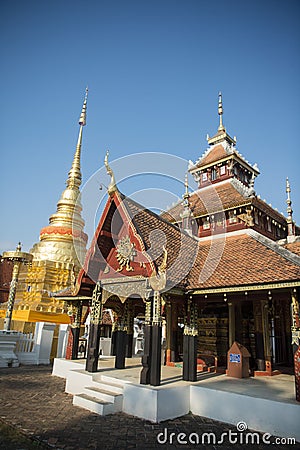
x=103, y=397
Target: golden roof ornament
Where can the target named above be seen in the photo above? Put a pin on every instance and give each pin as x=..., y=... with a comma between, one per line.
x=112, y=187
x=74, y=176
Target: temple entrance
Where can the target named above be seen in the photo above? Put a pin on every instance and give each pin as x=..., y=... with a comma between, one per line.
x=127, y=329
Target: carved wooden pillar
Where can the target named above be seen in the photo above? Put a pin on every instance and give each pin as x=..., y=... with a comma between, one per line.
x=120, y=338
x=129, y=327
x=266, y=334
x=259, y=339
x=155, y=372
x=190, y=340
x=75, y=329
x=172, y=331
x=75, y=313
x=238, y=322
x=296, y=340
x=95, y=328
x=146, y=358
x=231, y=323
x=113, y=336
x=169, y=331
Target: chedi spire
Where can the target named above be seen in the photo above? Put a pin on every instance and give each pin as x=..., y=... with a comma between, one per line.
x=64, y=240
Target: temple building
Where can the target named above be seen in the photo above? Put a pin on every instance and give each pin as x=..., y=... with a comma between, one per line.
x=57, y=257
x=220, y=266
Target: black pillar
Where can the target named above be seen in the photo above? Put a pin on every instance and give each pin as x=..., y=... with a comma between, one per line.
x=113, y=343
x=120, y=349
x=146, y=358
x=189, y=358
x=155, y=371
x=75, y=335
x=95, y=330
x=190, y=342
x=75, y=329
x=93, y=348
x=259, y=336
x=129, y=343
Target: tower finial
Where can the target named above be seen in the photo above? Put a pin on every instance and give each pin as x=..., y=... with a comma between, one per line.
x=290, y=223
x=74, y=176
x=82, y=119
x=220, y=112
x=112, y=187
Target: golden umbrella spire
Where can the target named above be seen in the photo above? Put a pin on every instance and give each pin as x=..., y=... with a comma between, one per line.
x=64, y=240
x=74, y=176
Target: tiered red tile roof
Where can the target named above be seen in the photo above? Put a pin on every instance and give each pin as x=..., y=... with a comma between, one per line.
x=214, y=154
x=219, y=197
x=242, y=259
x=156, y=233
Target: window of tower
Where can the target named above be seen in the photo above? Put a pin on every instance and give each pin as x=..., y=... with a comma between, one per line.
x=206, y=223
x=213, y=174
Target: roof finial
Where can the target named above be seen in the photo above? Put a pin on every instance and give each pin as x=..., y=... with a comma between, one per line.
x=290, y=223
x=74, y=177
x=112, y=187
x=220, y=112
x=186, y=185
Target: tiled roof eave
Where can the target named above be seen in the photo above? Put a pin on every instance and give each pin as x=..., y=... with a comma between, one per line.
x=217, y=211
x=245, y=287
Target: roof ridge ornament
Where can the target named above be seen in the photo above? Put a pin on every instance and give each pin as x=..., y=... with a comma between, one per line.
x=112, y=187
x=290, y=222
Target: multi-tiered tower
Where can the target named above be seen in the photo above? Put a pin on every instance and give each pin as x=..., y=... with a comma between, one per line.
x=59, y=254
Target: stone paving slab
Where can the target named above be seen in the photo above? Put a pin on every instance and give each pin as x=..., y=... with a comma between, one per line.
x=35, y=404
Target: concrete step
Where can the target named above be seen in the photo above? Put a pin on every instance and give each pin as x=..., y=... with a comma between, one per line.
x=93, y=404
x=107, y=395
x=114, y=381
x=104, y=386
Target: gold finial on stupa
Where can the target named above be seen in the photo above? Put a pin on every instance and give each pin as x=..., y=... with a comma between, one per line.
x=112, y=187
x=74, y=176
x=220, y=112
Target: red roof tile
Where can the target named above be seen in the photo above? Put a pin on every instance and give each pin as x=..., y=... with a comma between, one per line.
x=240, y=260
x=294, y=247
x=217, y=152
x=212, y=199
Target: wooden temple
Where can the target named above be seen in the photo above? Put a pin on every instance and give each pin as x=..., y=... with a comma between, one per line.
x=220, y=266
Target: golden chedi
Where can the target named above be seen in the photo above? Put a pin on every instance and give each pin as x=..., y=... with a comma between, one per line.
x=58, y=256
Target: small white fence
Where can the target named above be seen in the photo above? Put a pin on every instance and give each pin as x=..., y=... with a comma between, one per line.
x=26, y=343
x=35, y=348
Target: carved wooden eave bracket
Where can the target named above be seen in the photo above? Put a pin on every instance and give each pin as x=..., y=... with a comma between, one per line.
x=158, y=279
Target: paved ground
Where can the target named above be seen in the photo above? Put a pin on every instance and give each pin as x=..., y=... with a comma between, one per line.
x=35, y=412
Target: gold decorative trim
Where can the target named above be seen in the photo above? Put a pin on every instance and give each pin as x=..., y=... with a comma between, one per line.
x=244, y=288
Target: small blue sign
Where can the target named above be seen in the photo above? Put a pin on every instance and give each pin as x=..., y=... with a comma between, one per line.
x=234, y=358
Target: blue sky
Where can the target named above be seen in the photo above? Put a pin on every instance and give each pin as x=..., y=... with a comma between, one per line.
x=154, y=69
